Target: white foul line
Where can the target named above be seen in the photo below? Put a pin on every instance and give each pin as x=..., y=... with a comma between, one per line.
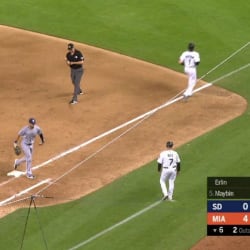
x=116, y=128
x=107, y=133
x=135, y=119
x=24, y=191
x=147, y=114
x=116, y=225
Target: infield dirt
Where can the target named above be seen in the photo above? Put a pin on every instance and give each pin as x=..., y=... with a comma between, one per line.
x=35, y=82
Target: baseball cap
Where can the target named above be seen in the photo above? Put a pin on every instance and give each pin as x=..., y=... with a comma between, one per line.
x=191, y=46
x=32, y=121
x=169, y=144
x=70, y=46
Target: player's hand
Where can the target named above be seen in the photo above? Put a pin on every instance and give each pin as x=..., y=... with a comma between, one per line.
x=41, y=143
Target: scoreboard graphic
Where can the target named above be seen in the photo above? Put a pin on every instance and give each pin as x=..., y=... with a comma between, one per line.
x=228, y=206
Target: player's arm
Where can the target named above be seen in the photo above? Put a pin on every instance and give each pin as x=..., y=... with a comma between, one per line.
x=182, y=59
x=67, y=60
x=42, y=138
x=159, y=167
x=178, y=166
x=181, y=62
x=78, y=62
x=16, y=141
x=197, y=59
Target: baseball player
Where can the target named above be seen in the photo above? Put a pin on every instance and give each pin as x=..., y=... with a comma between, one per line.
x=74, y=60
x=190, y=59
x=28, y=134
x=169, y=164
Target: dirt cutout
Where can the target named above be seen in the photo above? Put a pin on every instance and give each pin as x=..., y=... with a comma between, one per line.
x=35, y=82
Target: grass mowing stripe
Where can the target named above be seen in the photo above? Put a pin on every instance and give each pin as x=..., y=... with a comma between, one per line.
x=116, y=225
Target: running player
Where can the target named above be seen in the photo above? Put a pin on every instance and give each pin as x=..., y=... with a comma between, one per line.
x=190, y=59
x=28, y=134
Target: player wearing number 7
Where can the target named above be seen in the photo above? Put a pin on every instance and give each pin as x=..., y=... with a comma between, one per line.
x=169, y=164
x=190, y=59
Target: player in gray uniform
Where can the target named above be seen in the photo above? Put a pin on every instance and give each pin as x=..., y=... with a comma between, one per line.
x=28, y=134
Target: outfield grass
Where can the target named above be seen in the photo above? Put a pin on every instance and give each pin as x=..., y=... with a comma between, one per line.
x=155, y=31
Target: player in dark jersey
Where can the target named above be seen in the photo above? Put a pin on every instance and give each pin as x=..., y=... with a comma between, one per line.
x=74, y=58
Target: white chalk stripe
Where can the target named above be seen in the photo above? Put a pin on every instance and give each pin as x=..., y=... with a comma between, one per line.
x=24, y=191
x=135, y=119
x=107, y=132
x=116, y=225
x=61, y=155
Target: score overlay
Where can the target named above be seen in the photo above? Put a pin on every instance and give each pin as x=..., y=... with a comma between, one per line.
x=228, y=206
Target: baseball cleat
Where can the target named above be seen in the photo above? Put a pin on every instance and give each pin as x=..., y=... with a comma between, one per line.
x=81, y=92
x=73, y=102
x=185, y=98
x=15, y=164
x=171, y=200
x=165, y=198
x=30, y=176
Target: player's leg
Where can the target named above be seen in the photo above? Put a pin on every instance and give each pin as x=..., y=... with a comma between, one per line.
x=19, y=161
x=191, y=81
x=73, y=79
x=25, y=150
x=80, y=73
x=29, y=161
x=186, y=94
x=171, y=181
x=163, y=184
x=78, y=77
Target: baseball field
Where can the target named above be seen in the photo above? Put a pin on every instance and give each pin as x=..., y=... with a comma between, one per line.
x=97, y=185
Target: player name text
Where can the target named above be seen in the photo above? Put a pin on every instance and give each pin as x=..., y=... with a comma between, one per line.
x=224, y=193
x=220, y=182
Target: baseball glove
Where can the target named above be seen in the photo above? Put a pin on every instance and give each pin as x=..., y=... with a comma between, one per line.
x=17, y=150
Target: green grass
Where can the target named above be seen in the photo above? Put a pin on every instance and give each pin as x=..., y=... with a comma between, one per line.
x=155, y=31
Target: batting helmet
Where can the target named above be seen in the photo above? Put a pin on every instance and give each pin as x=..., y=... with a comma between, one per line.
x=191, y=46
x=32, y=121
x=169, y=144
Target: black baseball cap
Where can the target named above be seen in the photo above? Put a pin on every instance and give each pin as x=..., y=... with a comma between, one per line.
x=32, y=121
x=70, y=46
x=169, y=144
x=191, y=46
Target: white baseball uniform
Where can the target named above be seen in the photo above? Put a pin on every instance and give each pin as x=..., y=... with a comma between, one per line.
x=190, y=60
x=168, y=159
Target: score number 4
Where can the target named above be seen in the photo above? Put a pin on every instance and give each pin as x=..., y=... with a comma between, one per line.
x=245, y=218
